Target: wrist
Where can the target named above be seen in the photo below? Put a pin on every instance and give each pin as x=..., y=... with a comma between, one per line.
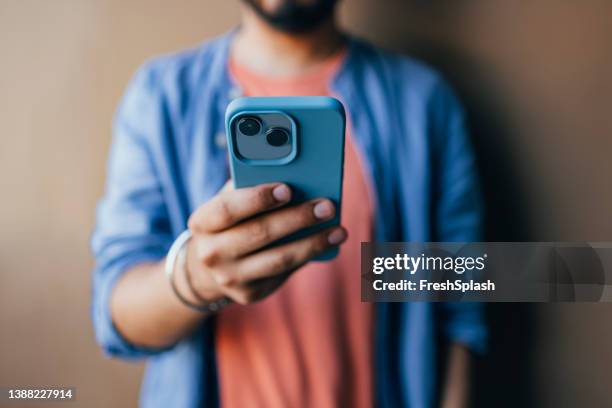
x=200, y=283
x=176, y=262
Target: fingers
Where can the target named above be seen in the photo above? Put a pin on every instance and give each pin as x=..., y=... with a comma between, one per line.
x=228, y=186
x=232, y=206
x=262, y=231
x=230, y=229
x=255, y=291
x=279, y=260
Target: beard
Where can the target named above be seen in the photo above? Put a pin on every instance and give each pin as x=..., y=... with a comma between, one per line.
x=293, y=17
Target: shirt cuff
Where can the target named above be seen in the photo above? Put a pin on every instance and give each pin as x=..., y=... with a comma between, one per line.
x=110, y=339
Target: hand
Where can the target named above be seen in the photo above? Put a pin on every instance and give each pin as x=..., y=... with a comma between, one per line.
x=224, y=255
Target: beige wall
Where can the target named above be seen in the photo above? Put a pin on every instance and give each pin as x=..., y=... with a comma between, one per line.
x=534, y=74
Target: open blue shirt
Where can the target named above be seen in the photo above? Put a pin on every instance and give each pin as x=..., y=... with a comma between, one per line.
x=168, y=156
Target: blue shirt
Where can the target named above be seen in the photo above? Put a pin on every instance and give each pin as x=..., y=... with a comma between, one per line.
x=168, y=157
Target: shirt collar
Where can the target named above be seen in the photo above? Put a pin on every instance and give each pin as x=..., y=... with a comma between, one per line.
x=228, y=89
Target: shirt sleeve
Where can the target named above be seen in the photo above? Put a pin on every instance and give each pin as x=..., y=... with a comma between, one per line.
x=132, y=224
x=459, y=209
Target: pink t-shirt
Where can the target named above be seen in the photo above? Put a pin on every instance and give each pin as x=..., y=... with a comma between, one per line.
x=310, y=343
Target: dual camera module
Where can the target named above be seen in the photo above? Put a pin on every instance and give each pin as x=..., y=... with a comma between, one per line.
x=252, y=126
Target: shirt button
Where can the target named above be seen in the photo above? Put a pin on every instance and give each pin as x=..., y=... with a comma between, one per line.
x=234, y=93
x=220, y=140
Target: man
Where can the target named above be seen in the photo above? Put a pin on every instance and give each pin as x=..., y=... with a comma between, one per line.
x=295, y=333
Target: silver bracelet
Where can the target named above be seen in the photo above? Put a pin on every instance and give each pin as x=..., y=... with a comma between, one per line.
x=178, y=252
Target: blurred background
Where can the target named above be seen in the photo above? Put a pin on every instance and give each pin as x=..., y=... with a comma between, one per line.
x=536, y=77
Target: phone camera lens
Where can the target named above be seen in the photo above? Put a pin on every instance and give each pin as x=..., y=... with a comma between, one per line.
x=249, y=126
x=277, y=137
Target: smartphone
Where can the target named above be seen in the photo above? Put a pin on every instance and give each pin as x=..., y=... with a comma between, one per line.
x=294, y=140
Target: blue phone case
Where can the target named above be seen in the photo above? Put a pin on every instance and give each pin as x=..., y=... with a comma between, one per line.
x=314, y=169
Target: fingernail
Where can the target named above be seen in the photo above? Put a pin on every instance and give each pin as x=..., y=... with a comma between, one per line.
x=281, y=193
x=336, y=236
x=323, y=209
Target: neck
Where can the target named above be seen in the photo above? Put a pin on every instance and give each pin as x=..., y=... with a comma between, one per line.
x=263, y=49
